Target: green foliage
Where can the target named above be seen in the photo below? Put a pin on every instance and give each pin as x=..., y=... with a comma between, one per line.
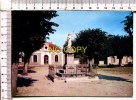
x=102, y=66
x=128, y=24
x=96, y=42
x=82, y=58
x=112, y=66
x=29, y=31
x=121, y=45
x=117, y=70
x=128, y=65
x=108, y=66
x=100, y=45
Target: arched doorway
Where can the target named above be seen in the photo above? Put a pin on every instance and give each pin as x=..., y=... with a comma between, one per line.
x=46, y=59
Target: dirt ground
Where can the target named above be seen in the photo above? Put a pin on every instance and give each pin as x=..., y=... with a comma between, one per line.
x=36, y=83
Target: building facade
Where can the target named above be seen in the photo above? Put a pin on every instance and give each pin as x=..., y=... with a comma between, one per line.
x=49, y=54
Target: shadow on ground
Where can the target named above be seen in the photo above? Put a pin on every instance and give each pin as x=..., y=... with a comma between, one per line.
x=29, y=71
x=24, y=81
x=106, y=77
x=50, y=78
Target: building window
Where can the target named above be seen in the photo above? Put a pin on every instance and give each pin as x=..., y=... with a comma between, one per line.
x=56, y=58
x=35, y=58
x=46, y=59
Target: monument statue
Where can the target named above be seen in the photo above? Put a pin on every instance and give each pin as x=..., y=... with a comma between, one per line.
x=69, y=38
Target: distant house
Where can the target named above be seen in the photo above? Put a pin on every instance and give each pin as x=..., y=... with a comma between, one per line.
x=49, y=54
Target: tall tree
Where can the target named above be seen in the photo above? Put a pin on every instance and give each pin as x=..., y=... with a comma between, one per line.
x=128, y=27
x=121, y=46
x=116, y=45
x=29, y=32
x=96, y=42
x=128, y=24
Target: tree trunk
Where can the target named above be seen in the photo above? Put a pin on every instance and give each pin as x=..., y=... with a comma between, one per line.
x=14, y=72
x=89, y=65
x=120, y=61
x=25, y=70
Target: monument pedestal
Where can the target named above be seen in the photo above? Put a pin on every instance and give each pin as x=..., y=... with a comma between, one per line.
x=69, y=59
x=69, y=64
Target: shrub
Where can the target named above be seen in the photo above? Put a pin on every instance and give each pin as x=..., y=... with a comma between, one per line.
x=128, y=65
x=112, y=66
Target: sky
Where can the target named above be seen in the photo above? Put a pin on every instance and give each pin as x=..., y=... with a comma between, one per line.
x=75, y=21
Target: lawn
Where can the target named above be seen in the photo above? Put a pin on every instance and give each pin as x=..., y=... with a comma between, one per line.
x=117, y=70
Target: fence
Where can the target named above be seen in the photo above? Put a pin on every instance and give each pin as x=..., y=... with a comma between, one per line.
x=73, y=70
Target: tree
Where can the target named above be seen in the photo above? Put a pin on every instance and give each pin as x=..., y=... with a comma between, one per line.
x=121, y=46
x=116, y=46
x=30, y=29
x=96, y=42
x=128, y=24
x=128, y=27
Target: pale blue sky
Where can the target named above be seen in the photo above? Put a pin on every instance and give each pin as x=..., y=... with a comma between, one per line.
x=69, y=21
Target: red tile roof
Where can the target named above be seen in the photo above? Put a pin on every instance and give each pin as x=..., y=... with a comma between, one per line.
x=53, y=46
